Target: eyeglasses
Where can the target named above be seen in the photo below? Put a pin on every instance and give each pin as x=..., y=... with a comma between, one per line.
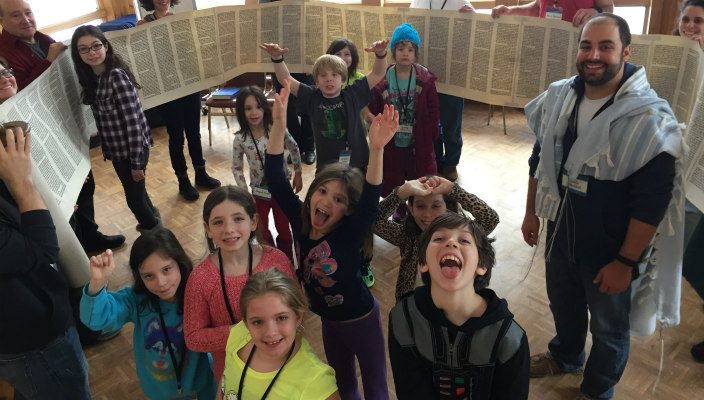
x=86, y=50
x=7, y=73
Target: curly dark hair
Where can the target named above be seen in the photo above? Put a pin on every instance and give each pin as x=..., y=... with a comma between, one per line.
x=86, y=76
x=485, y=249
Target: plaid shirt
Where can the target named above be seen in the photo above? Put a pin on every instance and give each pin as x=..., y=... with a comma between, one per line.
x=123, y=128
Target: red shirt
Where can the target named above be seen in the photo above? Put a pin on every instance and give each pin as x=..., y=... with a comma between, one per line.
x=22, y=59
x=569, y=7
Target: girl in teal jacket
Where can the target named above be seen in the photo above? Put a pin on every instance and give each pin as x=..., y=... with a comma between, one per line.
x=166, y=368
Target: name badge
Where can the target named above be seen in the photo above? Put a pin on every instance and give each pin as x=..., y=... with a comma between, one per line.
x=404, y=136
x=405, y=128
x=261, y=192
x=554, y=13
x=345, y=156
x=576, y=186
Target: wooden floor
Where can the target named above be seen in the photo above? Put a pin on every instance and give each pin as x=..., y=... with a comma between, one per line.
x=493, y=166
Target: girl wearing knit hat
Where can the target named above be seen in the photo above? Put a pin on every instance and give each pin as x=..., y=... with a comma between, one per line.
x=410, y=87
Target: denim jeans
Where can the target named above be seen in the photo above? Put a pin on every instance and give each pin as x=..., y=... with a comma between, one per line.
x=179, y=115
x=58, y=370
x=136, y=193
x=448, y=147
x=571, y=293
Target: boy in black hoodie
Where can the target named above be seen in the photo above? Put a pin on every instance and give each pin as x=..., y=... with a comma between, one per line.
x=454, y=338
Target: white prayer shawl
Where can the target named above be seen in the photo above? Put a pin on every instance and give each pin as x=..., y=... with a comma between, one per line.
x=618, y=142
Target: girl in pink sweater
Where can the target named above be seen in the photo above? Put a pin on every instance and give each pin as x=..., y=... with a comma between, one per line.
x=213, y=291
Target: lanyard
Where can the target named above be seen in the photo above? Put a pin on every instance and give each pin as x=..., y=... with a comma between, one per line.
x=222, y=281
x=430, y=3
x=404, y=103
x=177, y=366
x=261, y=160
x=246, y=366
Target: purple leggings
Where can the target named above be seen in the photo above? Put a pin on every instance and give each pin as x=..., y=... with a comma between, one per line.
x=363, y=338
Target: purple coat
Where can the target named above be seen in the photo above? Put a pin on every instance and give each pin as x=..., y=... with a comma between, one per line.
x=402, y=164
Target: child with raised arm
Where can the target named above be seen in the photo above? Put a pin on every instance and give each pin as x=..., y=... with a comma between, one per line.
x=329, y=228
x=454, y=338
x=154, y=304
x=427, y=198
x=334, y=111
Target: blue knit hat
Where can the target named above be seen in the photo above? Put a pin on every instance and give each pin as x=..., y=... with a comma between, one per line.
x=404, y=32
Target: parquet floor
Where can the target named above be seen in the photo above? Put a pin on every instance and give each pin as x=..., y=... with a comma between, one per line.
x=493, y=166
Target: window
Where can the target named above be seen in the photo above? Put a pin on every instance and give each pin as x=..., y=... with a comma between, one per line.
x=635, y=16
x=65, y=34
x=52, y=12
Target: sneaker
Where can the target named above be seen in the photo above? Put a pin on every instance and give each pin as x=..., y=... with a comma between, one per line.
x=542, y=365
x=698, y=352
x=367, y=274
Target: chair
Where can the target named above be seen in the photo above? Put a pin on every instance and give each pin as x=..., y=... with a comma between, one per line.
x=491, y=114
x=227, y=107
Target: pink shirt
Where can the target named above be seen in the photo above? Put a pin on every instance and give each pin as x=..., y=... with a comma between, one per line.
x=206, y=322
x=569, y=7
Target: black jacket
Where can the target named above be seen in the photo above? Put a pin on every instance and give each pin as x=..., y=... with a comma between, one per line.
x=431, y=358
x=34, y=307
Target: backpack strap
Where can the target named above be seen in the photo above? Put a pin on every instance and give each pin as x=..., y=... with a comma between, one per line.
x=508, y=342
x=499, y=336
x=412, y=329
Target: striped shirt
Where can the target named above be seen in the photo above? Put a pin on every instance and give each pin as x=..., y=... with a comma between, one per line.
x=123, y=128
